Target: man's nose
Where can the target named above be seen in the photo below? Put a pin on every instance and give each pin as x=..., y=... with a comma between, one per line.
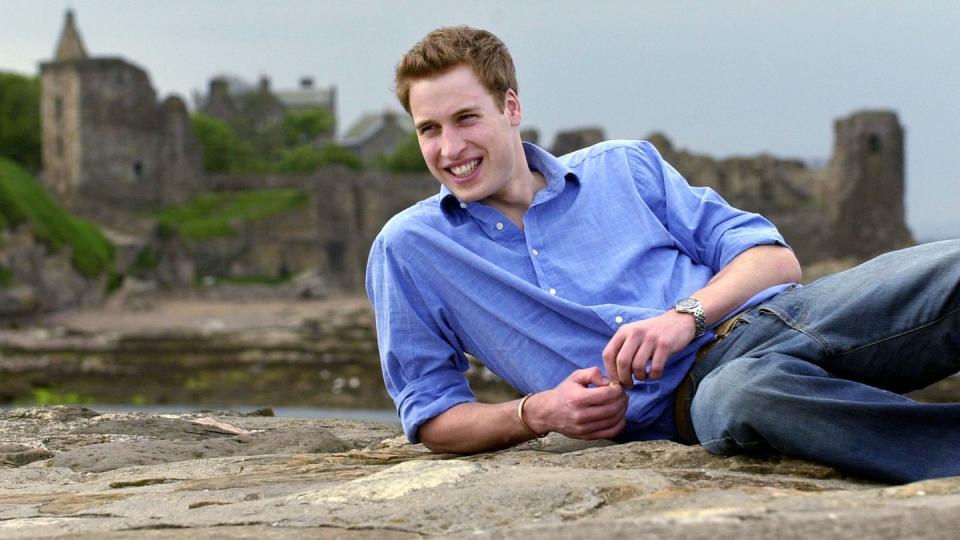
x=451, y=144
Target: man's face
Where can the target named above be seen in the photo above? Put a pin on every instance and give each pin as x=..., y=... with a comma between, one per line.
x=468, y=142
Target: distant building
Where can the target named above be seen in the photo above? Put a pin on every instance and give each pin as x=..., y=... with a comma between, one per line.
x=104, y=134
x=252, y=110
x=377, y=134
x=575, y=139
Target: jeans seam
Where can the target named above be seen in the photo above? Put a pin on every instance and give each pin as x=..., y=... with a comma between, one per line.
x=904, y=333
x=727, y=441
x=825, y=347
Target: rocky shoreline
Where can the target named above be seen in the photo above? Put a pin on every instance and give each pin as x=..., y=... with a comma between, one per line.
x=70, y=471
x=258, y=353
x=221, y=354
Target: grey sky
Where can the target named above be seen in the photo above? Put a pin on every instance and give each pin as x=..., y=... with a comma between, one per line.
x=723, y=78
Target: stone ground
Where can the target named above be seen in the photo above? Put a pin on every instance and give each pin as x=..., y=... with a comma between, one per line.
x=69, y=471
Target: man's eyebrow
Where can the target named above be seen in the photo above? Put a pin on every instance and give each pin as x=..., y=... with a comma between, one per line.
x=424, y=123
x=465, y=110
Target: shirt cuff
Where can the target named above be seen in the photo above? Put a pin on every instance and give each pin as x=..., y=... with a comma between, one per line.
x=428, y=397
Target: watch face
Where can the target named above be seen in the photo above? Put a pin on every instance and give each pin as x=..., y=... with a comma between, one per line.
x=687, y=303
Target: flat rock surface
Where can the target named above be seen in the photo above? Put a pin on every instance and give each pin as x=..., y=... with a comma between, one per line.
x=67, y=471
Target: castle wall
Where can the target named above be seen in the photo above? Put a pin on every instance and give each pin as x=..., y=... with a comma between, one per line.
x=851, y=209
x=121, y=134
x=180, y=159
x=107, y=140
x=865, y=184
x=60, y=125
x=331, y=235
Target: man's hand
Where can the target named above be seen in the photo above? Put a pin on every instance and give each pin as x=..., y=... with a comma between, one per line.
x=648, y=341
x=584, y=406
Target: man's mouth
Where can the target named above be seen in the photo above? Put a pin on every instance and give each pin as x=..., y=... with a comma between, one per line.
x=462, y=171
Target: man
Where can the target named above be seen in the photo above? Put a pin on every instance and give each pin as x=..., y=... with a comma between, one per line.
x=590, y=283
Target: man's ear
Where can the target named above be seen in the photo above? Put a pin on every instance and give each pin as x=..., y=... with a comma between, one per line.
x=511, y=106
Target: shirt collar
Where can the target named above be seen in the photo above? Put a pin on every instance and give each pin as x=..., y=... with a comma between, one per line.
x=538, y=159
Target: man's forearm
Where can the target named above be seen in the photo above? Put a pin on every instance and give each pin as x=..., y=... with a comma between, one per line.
x=747, y=274
x=474, y=427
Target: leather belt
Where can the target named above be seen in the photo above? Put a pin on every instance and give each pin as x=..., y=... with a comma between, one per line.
x=683, y=397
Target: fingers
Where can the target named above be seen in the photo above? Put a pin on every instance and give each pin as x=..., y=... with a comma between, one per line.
x=605, y=432
x=599, y=422
x=635, y=345
x=585, y=406
x=609, y=355
x=618, y=356
x=580, y=394
x=659, y=361
x=588, y=376
x=639, y=365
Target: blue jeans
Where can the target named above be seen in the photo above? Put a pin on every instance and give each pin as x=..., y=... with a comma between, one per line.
x=817, y=372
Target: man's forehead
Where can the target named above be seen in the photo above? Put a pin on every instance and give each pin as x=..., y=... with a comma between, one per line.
x=447, y=93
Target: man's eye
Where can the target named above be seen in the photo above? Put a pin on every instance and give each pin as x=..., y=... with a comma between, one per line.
x=426, y=129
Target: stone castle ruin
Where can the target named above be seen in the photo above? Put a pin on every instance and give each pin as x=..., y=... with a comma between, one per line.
x=851, y=209
x=105, y=136
x=111, y=151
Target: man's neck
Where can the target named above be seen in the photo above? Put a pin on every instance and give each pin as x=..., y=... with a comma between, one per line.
x=515, y=201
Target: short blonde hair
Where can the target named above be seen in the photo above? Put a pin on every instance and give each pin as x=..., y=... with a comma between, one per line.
x=452, y=46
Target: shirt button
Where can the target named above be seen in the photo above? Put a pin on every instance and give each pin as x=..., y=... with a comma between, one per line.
x=552, y=291
x=535, y=252
x=619, y=319
x=499, y=226
x=463, y=205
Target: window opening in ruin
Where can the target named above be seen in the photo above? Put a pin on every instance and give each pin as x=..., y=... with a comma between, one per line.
x=58, y=108
x=873, y=144
x=59, y=146
x=138, y=169
x=335, y=252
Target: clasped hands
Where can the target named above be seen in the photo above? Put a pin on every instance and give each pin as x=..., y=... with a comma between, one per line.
x=587, y=405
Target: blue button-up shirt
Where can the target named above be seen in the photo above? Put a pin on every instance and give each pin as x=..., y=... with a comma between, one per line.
x=617, y=235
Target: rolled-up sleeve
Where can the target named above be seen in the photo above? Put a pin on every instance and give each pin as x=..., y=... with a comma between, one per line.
x=422, y=369
x=711, y=231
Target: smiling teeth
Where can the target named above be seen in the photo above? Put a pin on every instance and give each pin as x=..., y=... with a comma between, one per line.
x=464, y=170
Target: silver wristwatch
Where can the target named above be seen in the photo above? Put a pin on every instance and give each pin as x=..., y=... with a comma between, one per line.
x=693, y=307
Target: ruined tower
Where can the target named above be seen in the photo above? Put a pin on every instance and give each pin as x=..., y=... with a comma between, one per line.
x=865, y=185
x=105, y=137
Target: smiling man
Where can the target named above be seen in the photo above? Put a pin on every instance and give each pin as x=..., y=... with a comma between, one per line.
x=627, y=304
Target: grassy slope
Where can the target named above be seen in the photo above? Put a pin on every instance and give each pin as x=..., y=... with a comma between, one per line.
x=23, y=200
x=213, y=215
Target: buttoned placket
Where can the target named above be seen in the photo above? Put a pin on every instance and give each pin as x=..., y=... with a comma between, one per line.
x=539, y=256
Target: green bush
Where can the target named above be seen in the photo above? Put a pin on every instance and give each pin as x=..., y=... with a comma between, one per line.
x=306, y=159
x=20, y=119
x=214, y=215
x=406, y=158
x=23, y=200
x=6, y=277
x=222, y=150
x=303, y=159
x=335, y=154
x=303, y=127
x=147, y=259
